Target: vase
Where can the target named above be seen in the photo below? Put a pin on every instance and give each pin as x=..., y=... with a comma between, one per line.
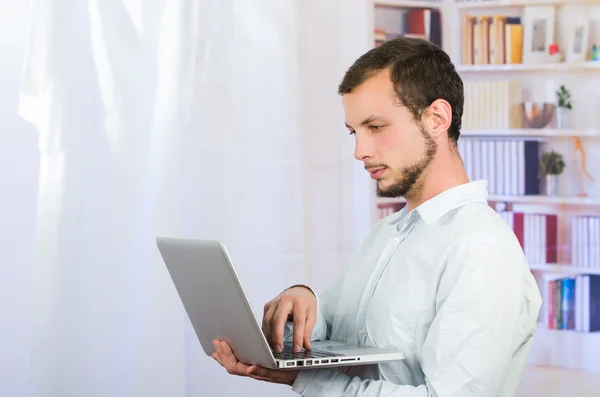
x=551, y=185
x=562, y=118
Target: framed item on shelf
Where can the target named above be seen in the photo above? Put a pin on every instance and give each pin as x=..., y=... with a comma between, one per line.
x=578, y=39
x=538, y=33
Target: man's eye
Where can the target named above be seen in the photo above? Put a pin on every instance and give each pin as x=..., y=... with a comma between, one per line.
x=352, y=132
x=375, y=127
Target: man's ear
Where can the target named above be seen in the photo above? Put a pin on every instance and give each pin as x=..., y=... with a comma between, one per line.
x=440, y=117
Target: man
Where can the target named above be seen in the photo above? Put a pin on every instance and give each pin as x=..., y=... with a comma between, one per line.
x=444, y=280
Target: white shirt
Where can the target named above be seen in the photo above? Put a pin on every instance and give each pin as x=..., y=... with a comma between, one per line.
x=447, y=284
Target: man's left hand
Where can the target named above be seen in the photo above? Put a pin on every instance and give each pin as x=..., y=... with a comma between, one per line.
x=227, y=359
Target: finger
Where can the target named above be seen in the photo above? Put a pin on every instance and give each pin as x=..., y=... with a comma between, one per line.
x=226, y=355
x=265, y=311
x=284, y=309
x=216, y=344
x=311, y=320
x=231, y=362
x=268, y=323
x=299, y=325
x=216, y=357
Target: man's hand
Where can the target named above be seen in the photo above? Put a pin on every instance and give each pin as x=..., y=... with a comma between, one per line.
x=297, y=304
x=227, y=359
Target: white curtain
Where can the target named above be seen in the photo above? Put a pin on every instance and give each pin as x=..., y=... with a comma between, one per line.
x=206, y=119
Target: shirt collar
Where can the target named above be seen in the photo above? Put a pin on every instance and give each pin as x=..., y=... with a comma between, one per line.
x=436, y=207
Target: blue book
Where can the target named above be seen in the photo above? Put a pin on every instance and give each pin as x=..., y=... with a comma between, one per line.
x=568, y=303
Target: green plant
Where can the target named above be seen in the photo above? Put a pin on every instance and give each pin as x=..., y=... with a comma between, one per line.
x=551, y=163
x=564, y=97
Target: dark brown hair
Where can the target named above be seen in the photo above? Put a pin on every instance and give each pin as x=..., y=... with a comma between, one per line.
x=421, y=72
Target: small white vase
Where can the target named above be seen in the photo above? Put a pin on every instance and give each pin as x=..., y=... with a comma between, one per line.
x=551, y=185
x=562, y=118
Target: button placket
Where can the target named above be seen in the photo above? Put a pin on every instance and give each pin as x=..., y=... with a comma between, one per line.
x=391, y=247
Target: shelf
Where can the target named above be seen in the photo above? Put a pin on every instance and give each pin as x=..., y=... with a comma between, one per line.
x=385, y=200
x=543, y=67
x=561, y=200
x=517, y=3
x=409, y=4
x=566, y=349
x=530, y=132
x=563, y=269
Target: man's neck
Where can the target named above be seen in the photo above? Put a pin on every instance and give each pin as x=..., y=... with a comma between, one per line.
x=441, y=175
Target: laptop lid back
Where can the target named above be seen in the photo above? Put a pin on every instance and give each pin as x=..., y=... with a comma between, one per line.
x=214, y=299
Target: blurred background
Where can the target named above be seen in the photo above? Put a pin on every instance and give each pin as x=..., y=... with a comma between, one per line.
x=123, y=120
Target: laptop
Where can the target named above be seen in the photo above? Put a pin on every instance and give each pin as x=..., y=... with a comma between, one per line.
x=218, y=308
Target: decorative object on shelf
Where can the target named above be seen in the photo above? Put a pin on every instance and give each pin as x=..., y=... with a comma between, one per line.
x=555, y=55
x=536, y=114
x=582, y=167
x=595, y=53
x=538, y=33
x=578, y=37
x=551, y=166
x=564, y=106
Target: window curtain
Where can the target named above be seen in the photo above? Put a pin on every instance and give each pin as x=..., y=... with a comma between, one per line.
x=214, y=119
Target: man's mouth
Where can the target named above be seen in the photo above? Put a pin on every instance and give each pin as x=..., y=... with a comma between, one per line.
x=377, y=172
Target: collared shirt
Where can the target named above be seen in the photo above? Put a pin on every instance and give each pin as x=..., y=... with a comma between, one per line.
x=446, y=283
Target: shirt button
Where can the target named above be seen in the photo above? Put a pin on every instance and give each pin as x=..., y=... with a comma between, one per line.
x=363, y=332
x=395, y=241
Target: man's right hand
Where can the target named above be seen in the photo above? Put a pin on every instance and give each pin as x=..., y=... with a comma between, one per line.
x=297, y=304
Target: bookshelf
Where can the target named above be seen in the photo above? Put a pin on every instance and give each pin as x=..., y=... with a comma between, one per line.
x=409, y=4
x=525, y=199
x=590, y=66
x=563, y=269
x=530, y=79
x=542, y=133
x=475, y=4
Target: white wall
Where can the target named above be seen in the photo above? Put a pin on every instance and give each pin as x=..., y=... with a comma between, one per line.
x=338, y=190
x=18, y=180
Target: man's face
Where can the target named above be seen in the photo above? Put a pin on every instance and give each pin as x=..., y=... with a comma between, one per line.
x=394, y=148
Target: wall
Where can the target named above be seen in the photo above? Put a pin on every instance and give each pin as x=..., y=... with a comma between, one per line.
x=19, y=160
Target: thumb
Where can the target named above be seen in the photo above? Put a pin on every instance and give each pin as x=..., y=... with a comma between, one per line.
x=255, y=371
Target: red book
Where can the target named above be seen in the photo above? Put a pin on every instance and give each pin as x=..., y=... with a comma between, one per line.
x=519, y=227
x=550, y=302
x=551, y=238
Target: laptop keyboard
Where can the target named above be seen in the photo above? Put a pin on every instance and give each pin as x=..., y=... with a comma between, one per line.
x=289, y=354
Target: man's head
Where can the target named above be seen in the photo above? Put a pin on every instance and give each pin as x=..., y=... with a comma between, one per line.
x=404, y=101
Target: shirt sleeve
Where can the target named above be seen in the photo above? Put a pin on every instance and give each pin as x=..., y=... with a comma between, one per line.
x=486, y=313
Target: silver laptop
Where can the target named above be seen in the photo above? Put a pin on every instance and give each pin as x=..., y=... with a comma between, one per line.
x=218, y=308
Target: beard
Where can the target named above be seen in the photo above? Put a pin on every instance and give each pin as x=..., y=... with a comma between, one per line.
x=410, y=175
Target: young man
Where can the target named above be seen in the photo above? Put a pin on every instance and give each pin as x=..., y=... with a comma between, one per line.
x=444, y=280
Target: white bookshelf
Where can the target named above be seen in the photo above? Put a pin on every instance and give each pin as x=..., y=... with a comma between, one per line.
x=539, y=133
x=548, y=200
x=533, y=199
x=558, y=348
x=517, y=3
x=387, y=200
x=588, y=66
x=409, y=4
x=566, y=349
x=564, y=269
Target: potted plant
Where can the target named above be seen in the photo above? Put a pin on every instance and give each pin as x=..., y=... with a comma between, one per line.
x=551, y=166
x=564, y=106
